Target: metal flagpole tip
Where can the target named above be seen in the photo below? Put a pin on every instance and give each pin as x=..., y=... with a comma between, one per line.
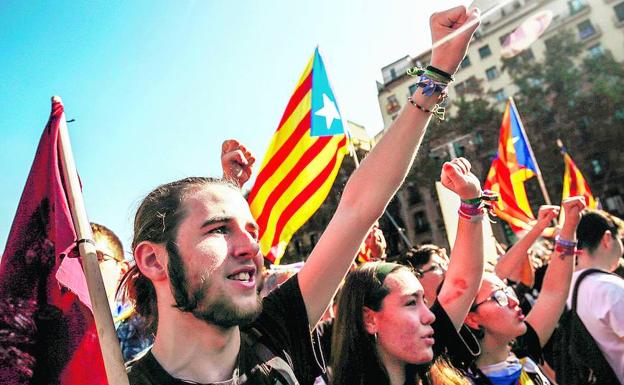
x=57, y=99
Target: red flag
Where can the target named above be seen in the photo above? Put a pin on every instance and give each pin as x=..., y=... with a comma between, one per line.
x=64, y=348
x=574, y=183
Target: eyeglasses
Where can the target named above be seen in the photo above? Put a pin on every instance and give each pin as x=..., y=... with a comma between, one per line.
x=437, y=267
x=501, y=296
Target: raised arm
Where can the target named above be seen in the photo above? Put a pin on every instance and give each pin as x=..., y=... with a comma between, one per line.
x=510, y=265
x=465, y=270
x=236, y=161
x=544, y=316
x=373, y=184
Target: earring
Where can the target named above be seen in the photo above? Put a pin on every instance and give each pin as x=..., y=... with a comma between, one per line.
x=375, y=335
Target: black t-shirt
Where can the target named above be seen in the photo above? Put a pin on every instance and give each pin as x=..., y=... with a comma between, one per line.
x=283, y=328
x=460, y=348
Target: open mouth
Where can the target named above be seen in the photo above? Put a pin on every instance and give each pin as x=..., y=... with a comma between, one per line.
x=243, y=275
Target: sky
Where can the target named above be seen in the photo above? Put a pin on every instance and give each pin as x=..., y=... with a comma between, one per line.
x=156, y=86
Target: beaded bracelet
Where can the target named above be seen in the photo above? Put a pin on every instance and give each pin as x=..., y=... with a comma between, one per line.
x=436, y=110
x=565, y=248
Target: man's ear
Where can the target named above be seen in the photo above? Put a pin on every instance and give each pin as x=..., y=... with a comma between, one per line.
x=472, y=320
x=150, y=259
x=370, y=320
x=606, y=239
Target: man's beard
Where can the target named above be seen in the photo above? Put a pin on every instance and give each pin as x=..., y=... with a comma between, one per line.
x=218, y=311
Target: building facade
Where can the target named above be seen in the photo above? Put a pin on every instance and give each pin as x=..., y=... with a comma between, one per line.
x=598, y=24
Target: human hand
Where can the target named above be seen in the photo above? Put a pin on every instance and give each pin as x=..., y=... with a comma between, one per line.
x=456, y=176
x=236, y=162
x=572, y=209
x=545, y=215
x=448, y=55
x=376, y=243
x=374, y=246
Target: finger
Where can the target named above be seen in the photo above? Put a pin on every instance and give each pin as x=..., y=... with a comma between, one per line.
x=228, y=145
x=466, y=164
x=461, y=165
x=240, y=158
x=455, y=174
x=450, y=17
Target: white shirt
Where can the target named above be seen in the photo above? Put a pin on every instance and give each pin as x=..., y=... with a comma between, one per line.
x=600, y=305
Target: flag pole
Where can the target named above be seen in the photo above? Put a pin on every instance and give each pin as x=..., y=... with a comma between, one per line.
x=540, y=179
x=353, y=154
x=356, y=161
x=109, y=344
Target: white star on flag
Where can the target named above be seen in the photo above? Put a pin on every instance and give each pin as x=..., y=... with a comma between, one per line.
x=329, y=111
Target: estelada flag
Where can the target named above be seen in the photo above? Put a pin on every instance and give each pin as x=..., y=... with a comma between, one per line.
x=301, y=163
x=48, y=333
x=574, y=183
x=513, y=165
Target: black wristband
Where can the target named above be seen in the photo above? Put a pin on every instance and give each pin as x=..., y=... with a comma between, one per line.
x=441, y=73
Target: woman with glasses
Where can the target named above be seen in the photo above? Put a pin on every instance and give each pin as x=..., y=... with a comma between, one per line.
x=511, y=343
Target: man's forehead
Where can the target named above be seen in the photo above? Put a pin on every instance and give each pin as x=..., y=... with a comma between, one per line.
x=217, y=200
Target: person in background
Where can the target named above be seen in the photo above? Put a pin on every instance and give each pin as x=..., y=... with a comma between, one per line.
x=497, y=320
x=600, y=298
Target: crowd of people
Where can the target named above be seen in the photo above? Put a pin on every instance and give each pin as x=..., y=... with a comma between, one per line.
x=197, y=306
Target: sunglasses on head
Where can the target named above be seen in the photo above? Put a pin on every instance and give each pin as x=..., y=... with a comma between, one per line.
x=438, y=267
x=501, y=296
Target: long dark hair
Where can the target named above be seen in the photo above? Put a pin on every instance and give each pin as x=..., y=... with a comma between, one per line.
x=157, y=220
x=354, y=354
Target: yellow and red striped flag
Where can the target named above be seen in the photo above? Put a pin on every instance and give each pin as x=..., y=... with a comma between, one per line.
x=514, y=164
x=302, y=161
x=574, y=183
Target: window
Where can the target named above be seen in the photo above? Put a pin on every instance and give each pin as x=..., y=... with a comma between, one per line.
x=460, y=149
x=586, y=29
x=392, y=104
x=420, y=222
x=472, y=84
x=414, y=195
x=615, y=203
x=595, y=50
x=491, y=73
x=465, y=63
x=596, y=166
x=392, y=74
x=619, y=11
x=575, y=6
x=485, y=51
x=500, y=96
